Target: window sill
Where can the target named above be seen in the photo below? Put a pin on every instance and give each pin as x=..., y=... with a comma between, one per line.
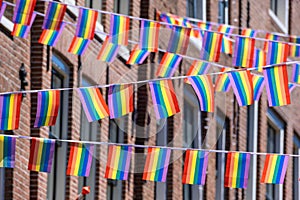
x=7, y=23
x=283, y=28
x=73, y=10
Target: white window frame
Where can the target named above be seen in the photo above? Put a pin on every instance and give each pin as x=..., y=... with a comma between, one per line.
x=191, y=99
x=62, y=150
x=204, y=12
x=7, y=23
x=283, y=26
x=297, y=144
x=226, y=11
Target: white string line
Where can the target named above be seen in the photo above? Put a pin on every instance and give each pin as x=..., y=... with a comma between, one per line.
x=149, y=146
x=157, y=79
x=169, y=24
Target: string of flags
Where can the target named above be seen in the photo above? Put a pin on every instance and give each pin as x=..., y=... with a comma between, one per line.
x=156, y=165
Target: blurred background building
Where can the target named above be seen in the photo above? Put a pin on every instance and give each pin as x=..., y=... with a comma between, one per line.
x=256, y=128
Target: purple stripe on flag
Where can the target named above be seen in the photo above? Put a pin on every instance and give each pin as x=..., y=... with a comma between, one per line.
x=84, y=105
x=286, y=159
x=90, y=156
x=127, y=163
x=166, y=164
x=203, y=176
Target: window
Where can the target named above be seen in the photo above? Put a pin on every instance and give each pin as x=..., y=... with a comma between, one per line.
x=96, y=4
x=191, y=136
x=56, y=179
x=252, y=133
x=223, y=16
x=275, y=145
x=279, y=11
x=121, y=6
x=296, y=168
x=196, y=9
x=89, y=132
x=116, y=135
x=222, y=123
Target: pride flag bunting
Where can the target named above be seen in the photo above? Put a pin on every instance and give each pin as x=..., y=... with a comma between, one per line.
x=78, y=45
x=223, y=82
x=202, y=26
x=260, y=59
x=47, y=108
x=227, y=45
x=179, y=40
x=249, y=32
x=164, y=98
x=149, y=36
x=93, y=103
x=223, y=28
x=120, y=100
x=195, y=166
x=7, y=151
x=294, y=49
x=10, y=111
x=41, y=154
x=24, y=11
x=258, y=86
x=244, y=52
x=198, y=68
x=204, y=89
x=241, y=82
x=296, y=73
x=118, y=161
x=119, y=28
x=137, y=56
x=108, y=51
x=86, y=24
x=168, y=65
x=50, y=37
x=21, y=30
x=237, y=170
x=157, y=163
x=2, y=8
x=211, y=46
x=54, y=16
x=274, y=168
x=292, y=86
x=80, y=159
x=276, y=77
x=270, y=36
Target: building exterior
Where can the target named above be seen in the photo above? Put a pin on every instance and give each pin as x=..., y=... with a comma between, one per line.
x=253, y=128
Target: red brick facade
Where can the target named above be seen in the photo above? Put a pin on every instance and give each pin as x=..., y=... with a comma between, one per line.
x=141, y=126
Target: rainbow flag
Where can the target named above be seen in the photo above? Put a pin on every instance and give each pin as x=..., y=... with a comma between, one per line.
x=168, y=65
x=292, y=86
x=157, y=163
x=120, y=100
x=223, y=82
x=294, y=49
x=2, y=8
x=149, y=36
x=108, y=51
x=118, y=161
x=21, y=30
x=195, y=166
x=179, y=40
x=24, y=11
x=80, y=159
x=258, y=86
x=86, y=24
x=173, y=19
x=244, y=52
x=203, y=26
x=119, y=29
x=276, y=77
x=227, y=45
x=296, y=73
x=78, y=45
x=226, y=29
x=237, y=170
x=93, y=103
x=7, y=151
x=270, y=36
x=260, y=59
x=54, y=16
x=47, y=108
x=241, y=82
x=249, y=32
x=10, y=111
x=50, y=37
x=211, y=46
x=164, y=98
x=274, y=169
x=41, y=154
x=198, y=68
x=204, y=89
x=137, y=56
